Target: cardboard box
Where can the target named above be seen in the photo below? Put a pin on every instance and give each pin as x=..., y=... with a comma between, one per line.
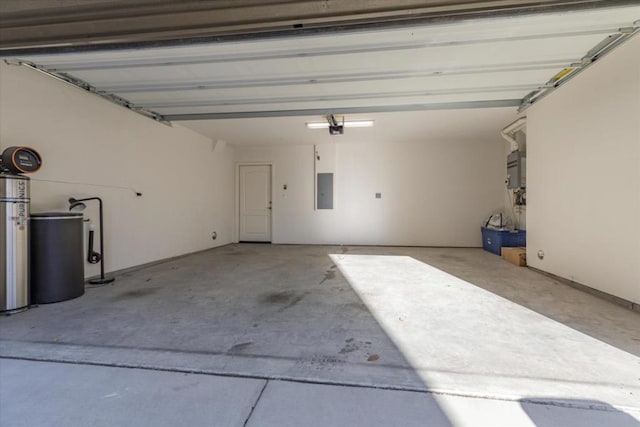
x=517, y=256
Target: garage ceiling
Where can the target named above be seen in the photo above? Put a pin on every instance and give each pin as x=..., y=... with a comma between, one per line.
x=443, y=64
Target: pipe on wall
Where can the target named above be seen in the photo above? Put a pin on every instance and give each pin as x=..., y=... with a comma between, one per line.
x=509, y=132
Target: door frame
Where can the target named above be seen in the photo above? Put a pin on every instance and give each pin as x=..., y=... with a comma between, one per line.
x=236, y=222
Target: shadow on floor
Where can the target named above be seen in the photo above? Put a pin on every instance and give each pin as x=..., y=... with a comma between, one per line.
x=261, y=311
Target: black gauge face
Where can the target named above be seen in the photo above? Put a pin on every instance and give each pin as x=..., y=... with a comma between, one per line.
x=26, y=160
x=21, y=160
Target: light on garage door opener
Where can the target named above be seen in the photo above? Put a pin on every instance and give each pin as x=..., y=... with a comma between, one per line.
x=337, y=128
x=347, y=124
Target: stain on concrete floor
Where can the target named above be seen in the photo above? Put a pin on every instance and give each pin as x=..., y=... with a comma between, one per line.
x=353, y=345
x=284, y=299
x=134, y=293
x=329, y=275
x=357, y=305
x=239, y=348
x=321, y=362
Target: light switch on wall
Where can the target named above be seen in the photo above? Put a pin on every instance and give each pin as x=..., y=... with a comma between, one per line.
x=378, y=195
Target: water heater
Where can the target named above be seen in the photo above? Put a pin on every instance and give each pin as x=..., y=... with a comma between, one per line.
x=516, y=170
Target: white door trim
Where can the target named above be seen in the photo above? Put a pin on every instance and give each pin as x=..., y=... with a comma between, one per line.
x=236, y=233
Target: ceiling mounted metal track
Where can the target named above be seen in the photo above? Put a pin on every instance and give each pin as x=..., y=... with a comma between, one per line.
x=606, y=46
x=42, y=26
x=80, y=84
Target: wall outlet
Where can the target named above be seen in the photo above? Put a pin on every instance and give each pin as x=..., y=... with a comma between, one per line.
x=214, y=235
x=378, y=195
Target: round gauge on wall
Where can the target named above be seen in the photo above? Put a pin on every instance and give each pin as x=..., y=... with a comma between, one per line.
x=20, y=160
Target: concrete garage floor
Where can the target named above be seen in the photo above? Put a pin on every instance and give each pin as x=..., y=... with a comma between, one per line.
x=438, y=324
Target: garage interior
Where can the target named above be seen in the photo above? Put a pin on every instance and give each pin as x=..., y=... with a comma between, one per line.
x=293, y=199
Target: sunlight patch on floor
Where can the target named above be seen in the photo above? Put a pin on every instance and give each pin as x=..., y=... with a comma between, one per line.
x=462, y=338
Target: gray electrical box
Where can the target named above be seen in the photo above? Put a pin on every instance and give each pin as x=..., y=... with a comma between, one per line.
x=516, y=170
x=325, y=191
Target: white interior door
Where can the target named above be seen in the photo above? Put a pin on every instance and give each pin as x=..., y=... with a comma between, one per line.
x=255, y=203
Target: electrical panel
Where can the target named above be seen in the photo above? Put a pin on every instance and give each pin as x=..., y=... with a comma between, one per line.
x=325, y=191
x=516, y=170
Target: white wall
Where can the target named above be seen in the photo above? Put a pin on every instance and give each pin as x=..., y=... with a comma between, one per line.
x=434, y=192
x=187, y=186
x=584, y=176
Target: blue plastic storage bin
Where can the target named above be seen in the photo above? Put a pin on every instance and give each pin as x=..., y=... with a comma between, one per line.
x=494, y=240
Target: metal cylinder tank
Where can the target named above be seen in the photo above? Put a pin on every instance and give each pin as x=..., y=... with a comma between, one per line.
x=57, y=262
x=14, y=243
